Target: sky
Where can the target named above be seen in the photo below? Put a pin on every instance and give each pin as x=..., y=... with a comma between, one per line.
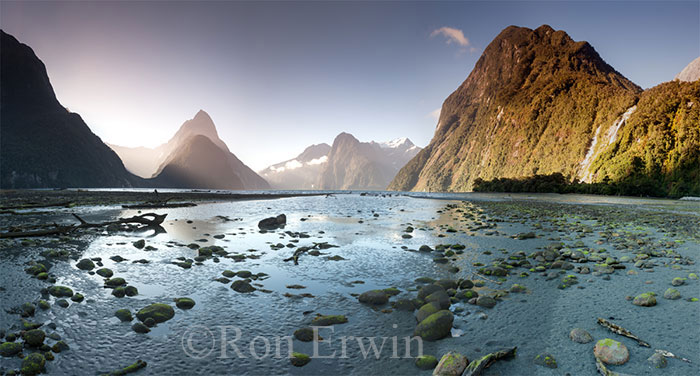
x=277, y=77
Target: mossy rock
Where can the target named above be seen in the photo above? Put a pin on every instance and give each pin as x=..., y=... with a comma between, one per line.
x=242, y=286
x=426, y=362
x=43, y=304
x=426, y=310
x=131, y=291
x=518, y=288
x=33, y=364
x=9, y=349
x=424, y=280
x=678, y=281
x=304, y=334
x=228, y=273
x=60, y=291
x=403, y=305
x=467, y=294
x=611, y=352
x=374, y=297
x=545, y=360
x=299, y=359
x=105, y=272
x=139, y=243
x=327, y=320
x=451, y=364
x=140, y=328
x=442, y=298
x=392, y=291
x=42, y=276
x=646, y=299
x=36, y=269
x=244, y=274
x=60, y=346
x=436, y=326
x=85, y=264
x=77, y=298
x=119, y=292
x=672, y=294
x=159, y=312
x=124, y=315
x=428, y=289
x=115, y=282
x=184, y=303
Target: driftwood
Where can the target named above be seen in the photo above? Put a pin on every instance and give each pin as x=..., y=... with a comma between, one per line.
x=621, y=331
x=150, y=220
x=668, y=354
x=476, y=367
x=300, y=251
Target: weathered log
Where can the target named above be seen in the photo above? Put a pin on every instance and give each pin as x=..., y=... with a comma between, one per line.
x=621, y=331
x=150, y=220
x=476, y=367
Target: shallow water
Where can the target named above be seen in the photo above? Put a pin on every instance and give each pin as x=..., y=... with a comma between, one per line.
x=538, y=321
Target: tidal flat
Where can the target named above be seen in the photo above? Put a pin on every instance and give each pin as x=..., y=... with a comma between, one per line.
x=507, y=270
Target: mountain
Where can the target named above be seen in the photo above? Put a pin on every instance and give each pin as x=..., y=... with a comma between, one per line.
x=187, y=161
x=532, y=104
x=364, y=165
x=43, y=145
x=301, y=172
x=691, y=72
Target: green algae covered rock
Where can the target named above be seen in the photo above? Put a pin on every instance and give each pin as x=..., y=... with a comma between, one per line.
x=159, y=312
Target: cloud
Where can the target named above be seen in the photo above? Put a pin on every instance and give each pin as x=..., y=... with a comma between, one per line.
x=435, y=114
x=453, y=36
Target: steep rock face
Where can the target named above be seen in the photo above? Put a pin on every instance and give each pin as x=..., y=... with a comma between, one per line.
x=183, y=145
x=363, y=165
x=691, y=72
x=301, y=172
x=43, y=145
x=532, y=104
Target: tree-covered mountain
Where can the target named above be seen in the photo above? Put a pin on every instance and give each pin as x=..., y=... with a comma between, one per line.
x=42, y=144
x=538, y=102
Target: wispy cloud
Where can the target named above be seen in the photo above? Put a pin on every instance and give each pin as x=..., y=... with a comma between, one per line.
x=453, y=36
x=435, y=114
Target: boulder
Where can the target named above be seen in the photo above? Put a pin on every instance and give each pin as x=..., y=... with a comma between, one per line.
x=451, y=364
x=436, y=326
x=611, y=352
x=159, y=312
x=374, y=297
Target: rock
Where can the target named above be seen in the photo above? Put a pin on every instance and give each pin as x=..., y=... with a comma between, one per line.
x=131, y=291
x=328, y=320
x=62, y=303
x=467, y=294
x=304, y=334
x=427, y=290
x=34, y=337
x=672, y=294
x=228, y=273
x=646, y=299
x=657, y=360
x=299, y=359
x=693, y=276
x=427, y=310
x=425, y=280
x=33, y=364
x=526, y=235
x=85, y=264
x=28, y=309
x=466, y=284
x=391, y=291
x=517, y=288
x=451, y=364
x=426, y=362
x=140, y=328
x=244, y=274
x=115, y=282
x=436, y=326
x=486, y=302
x=545, y=360
x=439, y=297
x=580, y=336
x=447, y=283
x=139, y=243
x=77, y=298
x=494, y=271
x=104, y=272
x=60, y=291
x=374, y=297
x=9, y=349
x=678, y=281
x=119, y=292
x=440, y=260
x=43, y=304
x=272, y=223
x=611, y=352
x=60, y=346
x=150, y=322
x=157, y=311
x=425, y=248
x=124, y=315
x=242, y=286
x=184, y=303
x=404, y=305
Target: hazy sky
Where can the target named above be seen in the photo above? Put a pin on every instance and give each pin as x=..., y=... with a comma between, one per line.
x=279, y=76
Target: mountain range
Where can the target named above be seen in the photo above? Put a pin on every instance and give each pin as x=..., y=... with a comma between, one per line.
x=538, y=102
x=347, y=164
x=195, y=157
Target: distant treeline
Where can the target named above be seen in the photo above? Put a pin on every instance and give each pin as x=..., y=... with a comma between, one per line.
x=632, y=185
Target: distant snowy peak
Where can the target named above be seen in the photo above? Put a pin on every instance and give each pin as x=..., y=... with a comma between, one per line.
x=397, y=143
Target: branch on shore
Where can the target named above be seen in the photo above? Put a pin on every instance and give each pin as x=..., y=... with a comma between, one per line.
x=147, y=220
